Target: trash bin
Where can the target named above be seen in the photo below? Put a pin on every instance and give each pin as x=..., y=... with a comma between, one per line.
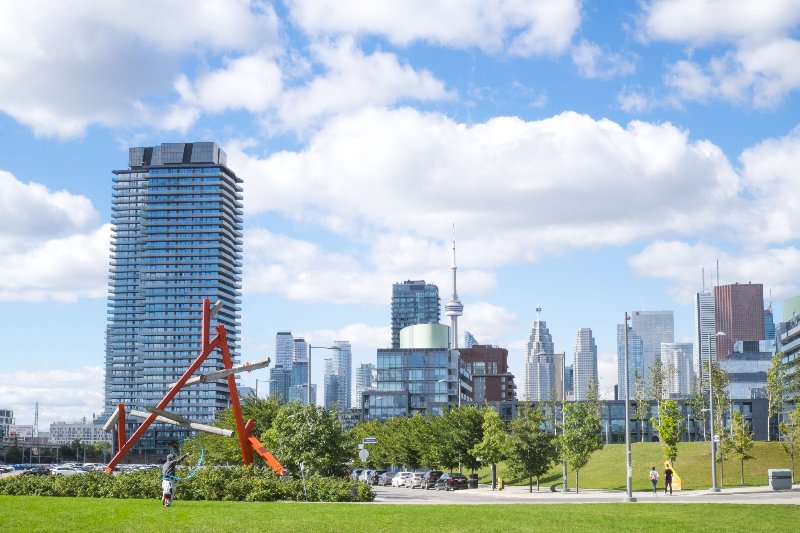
x=500, y=483
x=473, y=481
x=779, y=479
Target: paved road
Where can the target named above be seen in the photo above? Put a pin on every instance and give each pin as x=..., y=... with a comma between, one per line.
x=517, y=495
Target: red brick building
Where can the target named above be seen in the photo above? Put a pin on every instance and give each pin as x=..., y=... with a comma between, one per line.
x=491, y=380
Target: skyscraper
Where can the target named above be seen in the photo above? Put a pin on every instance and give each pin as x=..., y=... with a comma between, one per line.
x=344, y=362
x=413, y=302
x=300, y=349
x=740, y=314
x=284, y=349
x=365, y=380
x=469, y=340
x=176, y=240
x=334, y=385
x=676, y=358
x=705, y=334
x=584, y=366
x=540, y=371
x=654, y=327
x=454, y=307
x=635, y=359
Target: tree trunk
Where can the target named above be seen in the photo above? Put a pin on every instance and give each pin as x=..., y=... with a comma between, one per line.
x=494, y=476
x=530, y=485
x=741, y=477
x=537, y=483
x=641, y=428
x=577, y=486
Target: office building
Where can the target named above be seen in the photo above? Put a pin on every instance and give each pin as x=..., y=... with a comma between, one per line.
x=413, y=302
x=569, y=381
x=491, y=379
x=635, y=360
x=300, y=372
x=654, y=328
x=300, y=349
x=284, y=349
x=469, y=340
x=740, y=314
x=540, y=365
x=584, y=367
x=6, y=421
x=366, y=378
x=422, y=376
x=280, y=381
x=747, y=367
x=176, y=240
x=705, y=334
x=678, y=366
x=787, y=342
x=299, y=393
x=769, y=325
x=343, y=358
x=85, y=433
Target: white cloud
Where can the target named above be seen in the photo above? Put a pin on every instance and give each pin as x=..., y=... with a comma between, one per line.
x=489, y=323
x=360, y=336
x=759, y=64
x=64, y=395
x=680, y=263
x=63, y=269
x=252, y=83
x=354, y=79
x=519, y=28
x=593, y=62
x=633, y=101
x=73, y=63
x=516, y=190
x=30, y=211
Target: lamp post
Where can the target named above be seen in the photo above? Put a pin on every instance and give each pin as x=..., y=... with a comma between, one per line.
x=309, y=364
x=628, y=468
x=714, y=487
x=555, y=420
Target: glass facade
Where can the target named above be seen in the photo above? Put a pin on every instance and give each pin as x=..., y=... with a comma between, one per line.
x=635, y=359
x=413, y=302
x=176, y=240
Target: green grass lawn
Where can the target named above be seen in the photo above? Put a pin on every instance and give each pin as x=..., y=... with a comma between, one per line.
x=32, y=513
x=606, y=469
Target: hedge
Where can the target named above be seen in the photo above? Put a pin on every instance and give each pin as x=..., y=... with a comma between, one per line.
x=210, y=483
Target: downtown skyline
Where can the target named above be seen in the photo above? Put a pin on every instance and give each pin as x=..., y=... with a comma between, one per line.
x=593, y=158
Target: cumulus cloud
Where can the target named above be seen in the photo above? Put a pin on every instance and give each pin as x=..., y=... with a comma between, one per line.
x=518, y=28
x=64, y=395
x=593, y=62
x=758, y=64
x=489, y=323
x=680, y=263
x=62, y=269
x=360, y=336
x=30, y=211
x=569, y=181
x=74, y=63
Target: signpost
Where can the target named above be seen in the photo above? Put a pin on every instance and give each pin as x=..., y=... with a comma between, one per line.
x=363, y=454
x=370, y=440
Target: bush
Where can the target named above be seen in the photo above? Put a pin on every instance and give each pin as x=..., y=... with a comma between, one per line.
x=210, y=483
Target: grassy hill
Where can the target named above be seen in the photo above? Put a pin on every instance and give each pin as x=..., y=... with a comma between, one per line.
x=606, y=469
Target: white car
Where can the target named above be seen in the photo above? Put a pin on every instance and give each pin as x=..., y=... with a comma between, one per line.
x=399, y=479
x=65, y=470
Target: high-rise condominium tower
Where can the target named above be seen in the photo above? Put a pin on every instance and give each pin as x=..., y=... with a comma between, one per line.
x=413, y=302
x=284, y=349
x=584, y=366
x=540, y=368
x=635, y=359
x=740, y=314
x=176, y=240
x=365, y=380
x=676, y=358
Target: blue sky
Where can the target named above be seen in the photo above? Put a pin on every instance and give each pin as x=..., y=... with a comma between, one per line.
x=594, y=157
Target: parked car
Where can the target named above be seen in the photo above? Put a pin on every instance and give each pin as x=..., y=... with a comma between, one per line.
x=36, y=471
x=364, y=475
x=452, y=482
x=385, y=479
x=399, y=479
x=430, y=478
x=414, y=480
x=5, y=468
x=64, y=470
x=375, y=476
x=355, y=473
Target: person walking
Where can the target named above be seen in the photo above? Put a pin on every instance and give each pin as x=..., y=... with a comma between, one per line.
x=654, y=479
x=668, y=479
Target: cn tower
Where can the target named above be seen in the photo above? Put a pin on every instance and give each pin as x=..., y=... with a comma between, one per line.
x=454, y=308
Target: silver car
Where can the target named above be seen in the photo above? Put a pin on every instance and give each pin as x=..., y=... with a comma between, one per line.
x=399, y=479
x=414, y=480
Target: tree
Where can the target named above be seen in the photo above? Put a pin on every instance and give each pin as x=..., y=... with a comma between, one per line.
x=493, y=447
x=740, y=442
x=669, y=428
x=696, y=403
x=641, y=411
x=580, y=436
x=455, y=433
x=775, y=383
x=532, y=449
x=790, y=435
x=722, y=399
x=312, y=435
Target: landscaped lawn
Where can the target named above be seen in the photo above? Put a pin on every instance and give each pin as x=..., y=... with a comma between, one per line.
x=32, y=513
x=606, y=468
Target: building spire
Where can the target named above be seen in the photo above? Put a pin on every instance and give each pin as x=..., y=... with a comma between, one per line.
x=454, y=308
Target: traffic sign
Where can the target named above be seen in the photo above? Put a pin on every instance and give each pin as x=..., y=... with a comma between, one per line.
x=370, y=440
x=363, y=454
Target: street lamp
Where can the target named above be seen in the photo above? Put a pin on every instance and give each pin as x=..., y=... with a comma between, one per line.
x=309, y=364
x=628, y=467
x=714, y=487
x=563, y=402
